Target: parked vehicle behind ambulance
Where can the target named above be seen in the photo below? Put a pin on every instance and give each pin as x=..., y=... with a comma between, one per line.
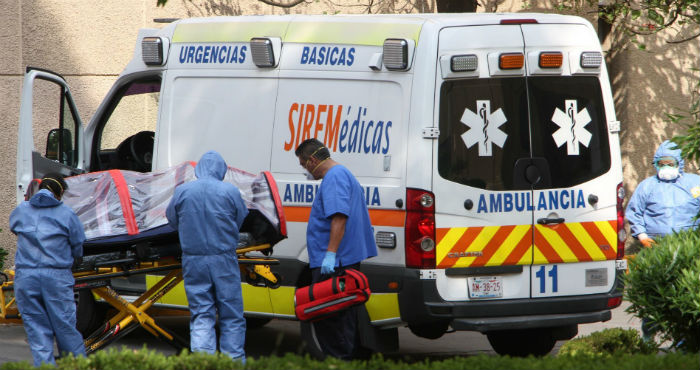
x=487, y=145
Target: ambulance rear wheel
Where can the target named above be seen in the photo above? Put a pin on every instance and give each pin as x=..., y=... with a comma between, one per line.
x=521, y=343
x=433, y=330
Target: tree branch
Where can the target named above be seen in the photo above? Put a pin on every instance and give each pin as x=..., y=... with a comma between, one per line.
x=684, y=40
x=282, y=5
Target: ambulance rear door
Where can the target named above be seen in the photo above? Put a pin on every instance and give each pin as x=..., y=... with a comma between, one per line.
x=574, y=199
x=483, y=201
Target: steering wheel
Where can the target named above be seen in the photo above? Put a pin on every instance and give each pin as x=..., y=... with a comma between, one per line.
x=141, y=149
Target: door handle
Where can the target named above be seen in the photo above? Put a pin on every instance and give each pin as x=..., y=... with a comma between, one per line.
x=550, y=221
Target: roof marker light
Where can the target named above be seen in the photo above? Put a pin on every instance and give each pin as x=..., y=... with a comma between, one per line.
x=395, y=54
x=511, y=61
x=464, y=63
x=591, y=59
x=518, y=21
x=152, y=51
x=551, y=59
x=265, y=50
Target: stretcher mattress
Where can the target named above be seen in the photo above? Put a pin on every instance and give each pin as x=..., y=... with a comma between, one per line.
x=119, y=207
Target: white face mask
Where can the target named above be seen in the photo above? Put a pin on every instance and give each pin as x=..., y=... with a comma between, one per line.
x=668, y=173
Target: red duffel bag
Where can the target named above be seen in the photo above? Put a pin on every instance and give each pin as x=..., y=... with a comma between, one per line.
x=325, y=298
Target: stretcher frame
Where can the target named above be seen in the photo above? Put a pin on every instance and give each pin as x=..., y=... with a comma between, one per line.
x=131, y=315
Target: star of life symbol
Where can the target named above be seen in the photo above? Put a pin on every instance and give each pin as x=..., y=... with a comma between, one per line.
x=572, y=129
x=484, y=128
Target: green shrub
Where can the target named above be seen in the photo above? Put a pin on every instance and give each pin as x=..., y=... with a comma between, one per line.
x=614, y=341
x=663, y=285
x=3, y=255
x=127, y=359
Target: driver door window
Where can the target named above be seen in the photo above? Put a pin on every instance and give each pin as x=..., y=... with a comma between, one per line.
x=126, y=136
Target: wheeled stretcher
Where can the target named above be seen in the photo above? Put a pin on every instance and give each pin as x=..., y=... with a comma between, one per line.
x=123, y=242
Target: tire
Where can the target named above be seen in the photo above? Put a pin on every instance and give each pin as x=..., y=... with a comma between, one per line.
x=432, y=330
x=310, y=341
x=521, y=343
x=88, y=314
x=252, y=323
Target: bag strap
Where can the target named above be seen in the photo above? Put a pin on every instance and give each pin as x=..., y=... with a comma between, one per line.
x=358, y=276
x=311, y=292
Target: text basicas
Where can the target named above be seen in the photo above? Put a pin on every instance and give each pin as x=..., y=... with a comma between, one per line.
x=328, y=55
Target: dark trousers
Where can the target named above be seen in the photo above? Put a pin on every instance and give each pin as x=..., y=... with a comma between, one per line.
x=337, y=335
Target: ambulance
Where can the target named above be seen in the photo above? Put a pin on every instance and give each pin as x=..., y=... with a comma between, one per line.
x=487, y=146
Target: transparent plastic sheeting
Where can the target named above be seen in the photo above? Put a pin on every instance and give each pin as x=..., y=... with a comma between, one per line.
x=99, y=198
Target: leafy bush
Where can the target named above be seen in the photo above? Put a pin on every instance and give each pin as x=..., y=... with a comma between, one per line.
x=614, y=341
x=663, y=285
x=145, y=359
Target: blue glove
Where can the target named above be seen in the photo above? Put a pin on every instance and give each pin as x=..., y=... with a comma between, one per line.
x=328, y=264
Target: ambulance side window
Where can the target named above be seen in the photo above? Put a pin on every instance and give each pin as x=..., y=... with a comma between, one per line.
x=483, y=131
x=569, y=128
x=126, y=134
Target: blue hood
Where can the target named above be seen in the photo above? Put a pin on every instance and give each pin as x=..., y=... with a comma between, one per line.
x=669, y=149
x=211, y=165
x=44, y=199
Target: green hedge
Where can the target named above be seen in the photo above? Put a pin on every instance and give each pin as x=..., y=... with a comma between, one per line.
x=148, y=359
x=608, y=342
x=663, y=285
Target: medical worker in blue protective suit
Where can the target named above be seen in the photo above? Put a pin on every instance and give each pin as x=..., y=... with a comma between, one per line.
x=339, y=235
x=665, y=202
x=208, y=213
x=49, y=238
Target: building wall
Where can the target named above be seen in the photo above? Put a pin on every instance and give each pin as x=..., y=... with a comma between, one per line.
x=89, y=45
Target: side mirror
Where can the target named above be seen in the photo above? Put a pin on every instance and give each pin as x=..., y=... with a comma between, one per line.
x=59, y=145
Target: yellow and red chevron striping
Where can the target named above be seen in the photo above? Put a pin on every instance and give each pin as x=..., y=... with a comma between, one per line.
x=513, y=244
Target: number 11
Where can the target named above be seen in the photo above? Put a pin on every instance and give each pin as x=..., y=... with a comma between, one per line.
x=552, y=273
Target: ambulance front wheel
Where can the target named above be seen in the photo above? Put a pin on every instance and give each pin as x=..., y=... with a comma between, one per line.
x=521, y=343
x=89, y=314
x=256, y=322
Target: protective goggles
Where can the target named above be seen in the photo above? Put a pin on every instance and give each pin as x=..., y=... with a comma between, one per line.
x=666, y=161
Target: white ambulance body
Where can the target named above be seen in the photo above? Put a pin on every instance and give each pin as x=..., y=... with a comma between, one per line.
x=487, y=145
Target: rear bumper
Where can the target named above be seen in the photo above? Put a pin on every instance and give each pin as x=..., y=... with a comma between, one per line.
x=420, y=302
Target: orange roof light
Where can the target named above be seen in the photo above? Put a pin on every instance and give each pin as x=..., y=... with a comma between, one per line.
x=551, y=59
x=511, y=61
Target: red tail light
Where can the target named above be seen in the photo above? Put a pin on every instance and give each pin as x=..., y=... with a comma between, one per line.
x=420, y=229
x=621, y=233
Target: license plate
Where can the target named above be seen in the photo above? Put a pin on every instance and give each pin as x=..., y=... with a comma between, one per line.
x=485, y=287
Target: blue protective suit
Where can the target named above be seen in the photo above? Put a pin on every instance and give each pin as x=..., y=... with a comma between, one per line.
x=49, y=237
x=208, y=213
x=659, y=207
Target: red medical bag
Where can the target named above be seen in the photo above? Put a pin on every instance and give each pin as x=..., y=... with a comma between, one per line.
x=325, y=298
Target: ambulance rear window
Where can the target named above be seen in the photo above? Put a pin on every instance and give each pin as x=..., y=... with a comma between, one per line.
x=486, y=127
x=569, y=128
x=483, y=131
